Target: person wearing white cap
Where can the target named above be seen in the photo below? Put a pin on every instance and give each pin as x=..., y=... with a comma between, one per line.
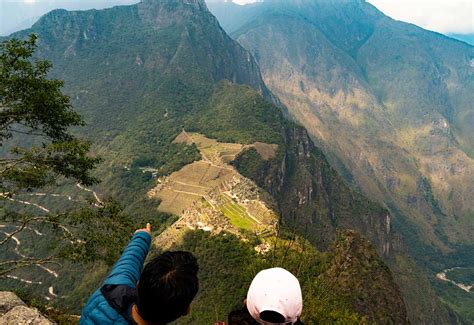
x=274, y=297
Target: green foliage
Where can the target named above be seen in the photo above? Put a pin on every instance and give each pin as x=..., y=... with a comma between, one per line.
x=30, y=99
x=81, y=245
x=238, y=114
x=457, y=299
x=36, y=113
x=228, y=265
x=462, y=275
x=33, y=105
x=225, y=272
x=105, y=230
x=88, y=234
x=250, y=164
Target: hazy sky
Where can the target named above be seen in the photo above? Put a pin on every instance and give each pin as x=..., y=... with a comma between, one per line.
x=444, y=16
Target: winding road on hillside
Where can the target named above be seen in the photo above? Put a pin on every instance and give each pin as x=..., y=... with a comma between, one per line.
x=16, y=240
x=25, y=203
x=19, y=253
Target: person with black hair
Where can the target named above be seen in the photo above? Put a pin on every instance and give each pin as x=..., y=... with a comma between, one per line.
x=274, y=297
x=160, y=294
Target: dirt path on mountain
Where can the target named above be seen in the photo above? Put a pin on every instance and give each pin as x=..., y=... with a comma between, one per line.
x=16, y=240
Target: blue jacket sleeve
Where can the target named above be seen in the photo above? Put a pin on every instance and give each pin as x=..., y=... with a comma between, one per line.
x=128, y=268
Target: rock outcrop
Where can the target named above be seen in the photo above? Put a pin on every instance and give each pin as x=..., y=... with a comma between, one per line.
x=13, y=311
x=8, y=300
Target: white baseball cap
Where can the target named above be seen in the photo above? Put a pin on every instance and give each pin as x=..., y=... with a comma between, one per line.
x=275, y=290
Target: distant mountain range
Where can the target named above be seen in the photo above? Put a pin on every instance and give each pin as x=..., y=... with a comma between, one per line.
x=16, y=16
x=391, y=105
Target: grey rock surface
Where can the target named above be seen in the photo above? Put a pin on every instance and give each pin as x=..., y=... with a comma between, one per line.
x=8, y=300
x=22, y=315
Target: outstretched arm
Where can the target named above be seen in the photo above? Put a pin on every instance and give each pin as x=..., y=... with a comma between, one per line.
x=128, y=268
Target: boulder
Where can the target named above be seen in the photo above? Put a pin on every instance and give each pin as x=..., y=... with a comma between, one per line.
x=22, y=315
x=8, y=300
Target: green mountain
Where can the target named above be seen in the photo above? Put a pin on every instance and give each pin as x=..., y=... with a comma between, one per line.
x=138, y=81
x=389, y=103
x=172, y=103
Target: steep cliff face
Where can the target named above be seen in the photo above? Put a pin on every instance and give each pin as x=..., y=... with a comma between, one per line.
x=356, y=273
x=314, y=198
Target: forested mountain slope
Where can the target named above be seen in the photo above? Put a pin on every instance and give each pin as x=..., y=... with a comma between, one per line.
x=145, y=76
x=391, y=105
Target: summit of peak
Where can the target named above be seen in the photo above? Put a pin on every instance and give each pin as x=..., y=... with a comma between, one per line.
x=163, y=13
x=201, y=4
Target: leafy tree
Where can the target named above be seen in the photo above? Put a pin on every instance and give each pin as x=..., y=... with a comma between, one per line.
x=36, y=114
x=33, y=105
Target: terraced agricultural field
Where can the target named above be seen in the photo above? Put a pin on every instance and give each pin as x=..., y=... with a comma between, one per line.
x=211, y=195
x=193, y=182
x=237, y=214
x=184, y=188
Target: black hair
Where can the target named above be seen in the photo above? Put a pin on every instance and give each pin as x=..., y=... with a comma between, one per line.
x=271, y=316
x=167, y=286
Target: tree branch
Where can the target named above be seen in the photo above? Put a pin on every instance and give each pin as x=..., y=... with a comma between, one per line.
x=21, y=228
x=13, y=265
x=26, y=132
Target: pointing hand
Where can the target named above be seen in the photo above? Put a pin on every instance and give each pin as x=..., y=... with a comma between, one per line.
x=147, y=229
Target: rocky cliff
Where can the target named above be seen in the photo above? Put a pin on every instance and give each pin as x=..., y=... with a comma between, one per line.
x=314, y=198
x=13, y=311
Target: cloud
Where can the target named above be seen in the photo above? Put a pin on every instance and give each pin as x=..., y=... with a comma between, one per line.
x=444, y=16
